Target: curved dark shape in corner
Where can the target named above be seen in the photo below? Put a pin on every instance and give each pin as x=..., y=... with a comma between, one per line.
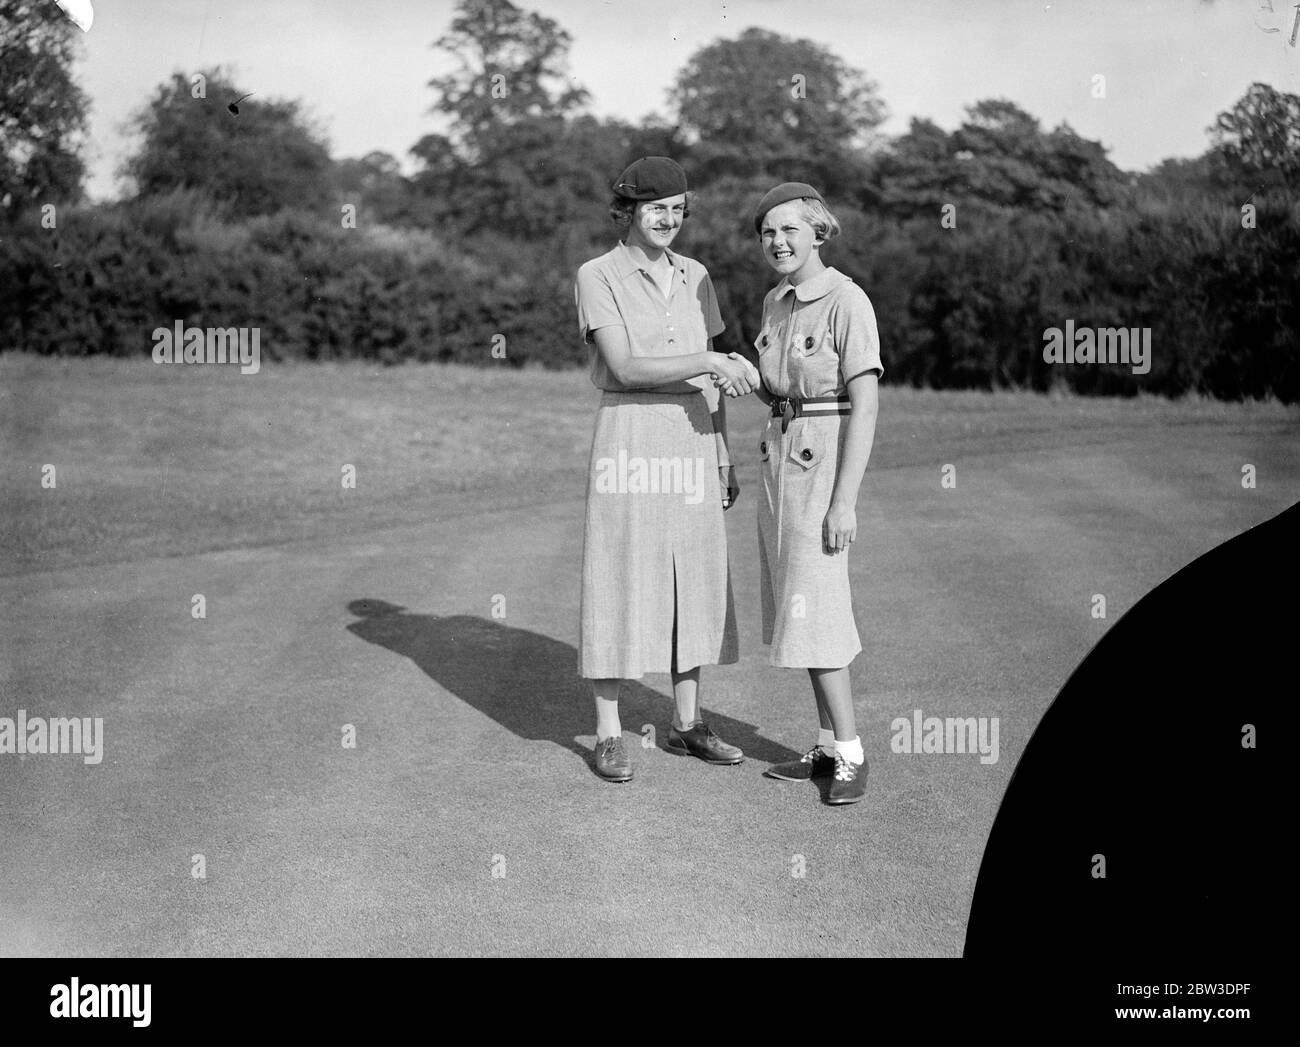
x=1140, y=759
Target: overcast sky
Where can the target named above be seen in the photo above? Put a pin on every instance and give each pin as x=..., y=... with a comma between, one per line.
x=362, y=66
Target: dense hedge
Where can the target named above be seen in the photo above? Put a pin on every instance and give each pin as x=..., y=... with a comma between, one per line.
x=108, y=276
x=968, y=307
x=963, y=307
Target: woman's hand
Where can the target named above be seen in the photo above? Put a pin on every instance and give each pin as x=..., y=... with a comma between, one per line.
x=730, y=485
x=840, y=527
x=734, y=375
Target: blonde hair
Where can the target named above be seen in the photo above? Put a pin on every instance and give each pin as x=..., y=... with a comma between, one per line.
x=819, y=216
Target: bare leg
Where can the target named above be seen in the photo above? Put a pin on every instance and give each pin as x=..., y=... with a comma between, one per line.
x=835, y=700
x=608, y=724
x=686, y=693
x=686, y=685
x=823, y=714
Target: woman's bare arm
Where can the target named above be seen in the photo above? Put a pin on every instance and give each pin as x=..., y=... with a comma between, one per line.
x=644, y=372
x=841, y=524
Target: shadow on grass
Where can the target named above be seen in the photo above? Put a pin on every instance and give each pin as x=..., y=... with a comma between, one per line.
x=528, y=683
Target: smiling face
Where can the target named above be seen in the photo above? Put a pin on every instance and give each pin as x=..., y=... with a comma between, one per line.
x=789, y=242
x=655, y=223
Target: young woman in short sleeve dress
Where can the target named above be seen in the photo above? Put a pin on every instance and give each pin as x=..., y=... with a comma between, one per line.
x=656, y=584
x=819, y=356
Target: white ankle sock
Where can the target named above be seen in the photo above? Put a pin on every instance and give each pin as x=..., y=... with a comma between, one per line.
x=851, y=751
x=826, y=739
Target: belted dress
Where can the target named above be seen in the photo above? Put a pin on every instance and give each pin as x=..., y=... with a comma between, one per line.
x=656, y=582
x=815, y=338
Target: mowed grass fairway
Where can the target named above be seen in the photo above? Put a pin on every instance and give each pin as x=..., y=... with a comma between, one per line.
x=374, y=607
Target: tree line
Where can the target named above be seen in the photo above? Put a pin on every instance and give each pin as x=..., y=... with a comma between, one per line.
x=971, y=242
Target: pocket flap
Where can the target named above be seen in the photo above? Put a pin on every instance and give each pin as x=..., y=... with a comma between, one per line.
x=808, y=446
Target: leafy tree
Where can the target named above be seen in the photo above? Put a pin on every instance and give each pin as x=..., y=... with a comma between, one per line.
x=1258, y=139
x=265, y=159
x=42, y=110
x=1176, y=180
x=512, y=69
x=518, y=157
x=918, y=172
x=770, y=106
x=375, y=182
x=999, y=156
x=542, y=176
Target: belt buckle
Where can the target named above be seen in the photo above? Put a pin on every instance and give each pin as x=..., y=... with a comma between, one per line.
x=787, y=413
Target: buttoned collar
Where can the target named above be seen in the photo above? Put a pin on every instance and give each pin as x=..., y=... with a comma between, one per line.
x=626, y=263
x=810, y=290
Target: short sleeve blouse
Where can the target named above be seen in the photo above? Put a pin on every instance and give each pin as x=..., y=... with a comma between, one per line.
x=817, y=337
x=616, y=290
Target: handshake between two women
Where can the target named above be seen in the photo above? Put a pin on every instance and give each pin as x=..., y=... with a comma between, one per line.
x=734, y=375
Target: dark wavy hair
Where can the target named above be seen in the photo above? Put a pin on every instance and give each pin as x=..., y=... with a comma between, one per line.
x=621, y=209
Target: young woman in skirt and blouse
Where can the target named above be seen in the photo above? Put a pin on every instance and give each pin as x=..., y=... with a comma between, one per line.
x=819, y=356
x=656, y=584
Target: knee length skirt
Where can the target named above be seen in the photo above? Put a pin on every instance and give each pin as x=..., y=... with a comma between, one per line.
x=656, y=584
x=807, y=605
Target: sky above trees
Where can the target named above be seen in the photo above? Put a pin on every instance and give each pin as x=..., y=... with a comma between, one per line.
x=362, y=70
x=242, y=207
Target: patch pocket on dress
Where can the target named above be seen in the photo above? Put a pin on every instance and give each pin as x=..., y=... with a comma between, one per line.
x=808, y=448
x=813, y=341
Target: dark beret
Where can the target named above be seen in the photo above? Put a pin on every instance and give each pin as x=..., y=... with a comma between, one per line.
x=651, y=178
x=783, y=193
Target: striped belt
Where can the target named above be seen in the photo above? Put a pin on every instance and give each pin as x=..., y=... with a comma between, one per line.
x=789, y=408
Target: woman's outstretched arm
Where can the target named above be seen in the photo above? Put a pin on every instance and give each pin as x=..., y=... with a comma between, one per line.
x=641, y=372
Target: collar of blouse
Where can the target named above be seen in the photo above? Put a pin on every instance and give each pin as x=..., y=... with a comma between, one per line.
x=810, y=290
x=627, y=262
